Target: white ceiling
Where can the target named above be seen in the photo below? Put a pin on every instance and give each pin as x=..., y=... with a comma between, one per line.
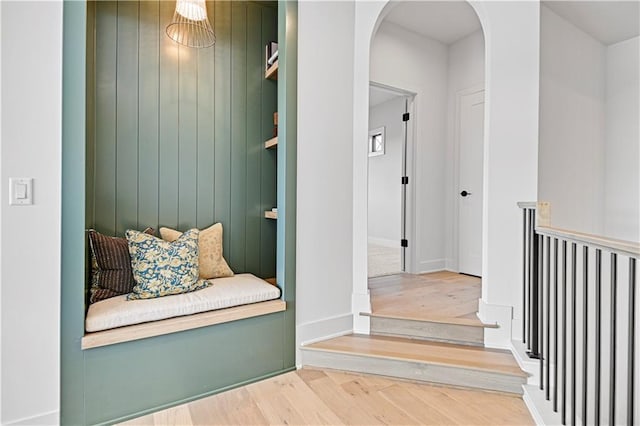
x=607, y=21
x=444, y=21
x=379, y=96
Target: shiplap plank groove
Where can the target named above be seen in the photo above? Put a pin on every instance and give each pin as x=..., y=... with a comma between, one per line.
x=254, y=83
x=237, y=225
x=148, y=83
x=105, y=125
x=187, y=137
x=168, y=167
x=127, y=118
x=222, y=63
x=206, y=132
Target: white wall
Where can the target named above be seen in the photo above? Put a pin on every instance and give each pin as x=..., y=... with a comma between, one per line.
x=408, y=61
x=31, y=39
x=385, y=196
x=511, y=143
x=324, y=183
x=572, y=124
x=465, y=71
x=622, y=154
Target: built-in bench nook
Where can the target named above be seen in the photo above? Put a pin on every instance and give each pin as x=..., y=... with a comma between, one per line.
x=158, y=134
x=117, y=320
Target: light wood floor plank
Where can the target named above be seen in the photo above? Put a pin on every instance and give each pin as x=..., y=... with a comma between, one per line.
x=313, y=396
x=434, y=296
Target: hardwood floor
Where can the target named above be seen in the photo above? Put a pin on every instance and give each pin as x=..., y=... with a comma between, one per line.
x=437, y=296
x=310, y=396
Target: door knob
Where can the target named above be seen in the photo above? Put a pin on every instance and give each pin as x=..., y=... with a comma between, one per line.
x=465, y=193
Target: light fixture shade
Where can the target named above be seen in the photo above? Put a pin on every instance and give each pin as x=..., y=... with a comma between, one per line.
x=190, y=25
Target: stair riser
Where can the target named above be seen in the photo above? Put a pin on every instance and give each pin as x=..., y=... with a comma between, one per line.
x=426, y=330
x=424, y=372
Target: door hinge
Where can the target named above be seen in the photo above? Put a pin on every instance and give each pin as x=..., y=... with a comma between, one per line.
x=405, y=180
x=405, y=116
x=404, y=243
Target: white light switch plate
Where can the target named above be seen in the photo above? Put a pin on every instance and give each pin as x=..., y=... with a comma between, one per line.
x=20, y=191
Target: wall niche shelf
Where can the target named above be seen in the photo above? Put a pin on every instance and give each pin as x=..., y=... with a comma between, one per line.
x=270, y=214
x=271, y=143
x=271, y=73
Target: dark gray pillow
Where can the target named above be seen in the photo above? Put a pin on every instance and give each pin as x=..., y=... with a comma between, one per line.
x=111, y=273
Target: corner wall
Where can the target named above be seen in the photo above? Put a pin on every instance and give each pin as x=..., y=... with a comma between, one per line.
x=622, y=128
x=572, y=124
x=30, y=239
x=324, y=184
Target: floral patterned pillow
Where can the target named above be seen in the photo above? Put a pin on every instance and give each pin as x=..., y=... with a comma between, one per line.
x=211, y=261
x=161, y=268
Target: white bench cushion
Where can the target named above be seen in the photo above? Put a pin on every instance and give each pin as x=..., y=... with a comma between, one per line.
x=238, y=290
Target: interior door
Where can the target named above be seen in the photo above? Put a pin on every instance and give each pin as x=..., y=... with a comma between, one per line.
x=471, y=141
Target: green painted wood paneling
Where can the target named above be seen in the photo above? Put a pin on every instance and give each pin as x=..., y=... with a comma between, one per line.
x=237, y=224
x=168, y=137
x=287, y=167
x=105, y=124
x=129, y=378
x=179, y=132
x=255, y=144
x=91, y=108
x=148, y=112
x=126, y=92
x=73, y=212
x=206, y=133
x=222, y=90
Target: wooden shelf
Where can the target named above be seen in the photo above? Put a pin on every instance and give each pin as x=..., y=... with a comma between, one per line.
x=270, y=215
x=271, y=143
x=272, y=72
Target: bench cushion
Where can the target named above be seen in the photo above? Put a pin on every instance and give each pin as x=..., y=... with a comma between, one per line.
x=240, y=289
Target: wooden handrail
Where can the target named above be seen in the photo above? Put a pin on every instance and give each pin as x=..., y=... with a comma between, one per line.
x=626, y=248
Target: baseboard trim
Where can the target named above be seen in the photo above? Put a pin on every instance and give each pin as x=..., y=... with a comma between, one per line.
x=531, y=406
x=499, y=338
x=541, y=410
x=322, y=329
x=384, y=242
x=531, y=366
x=50, y=418
x=435, y=265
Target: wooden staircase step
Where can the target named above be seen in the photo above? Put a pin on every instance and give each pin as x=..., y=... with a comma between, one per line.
x=446, y=363
x=450, y=330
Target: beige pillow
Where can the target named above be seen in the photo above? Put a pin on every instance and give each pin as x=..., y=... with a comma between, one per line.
x=212, y=264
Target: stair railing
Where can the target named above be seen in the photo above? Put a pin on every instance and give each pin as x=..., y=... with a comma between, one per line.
x=575, y=286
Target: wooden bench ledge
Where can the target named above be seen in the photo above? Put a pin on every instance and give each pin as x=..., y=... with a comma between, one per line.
x=173, y=325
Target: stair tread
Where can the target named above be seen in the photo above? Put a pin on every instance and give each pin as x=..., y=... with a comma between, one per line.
x=441, y=320
x=449, y=354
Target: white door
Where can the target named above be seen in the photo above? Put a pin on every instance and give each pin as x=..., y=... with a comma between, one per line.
x=470, y=143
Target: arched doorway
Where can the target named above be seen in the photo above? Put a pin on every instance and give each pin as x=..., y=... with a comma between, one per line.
x=433, y=166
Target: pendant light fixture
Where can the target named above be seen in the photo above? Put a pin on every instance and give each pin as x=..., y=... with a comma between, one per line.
x=190, y=25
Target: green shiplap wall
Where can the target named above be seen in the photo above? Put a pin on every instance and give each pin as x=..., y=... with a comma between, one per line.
x=176, y=137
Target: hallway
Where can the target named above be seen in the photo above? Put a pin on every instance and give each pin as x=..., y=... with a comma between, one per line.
x=438, y=296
